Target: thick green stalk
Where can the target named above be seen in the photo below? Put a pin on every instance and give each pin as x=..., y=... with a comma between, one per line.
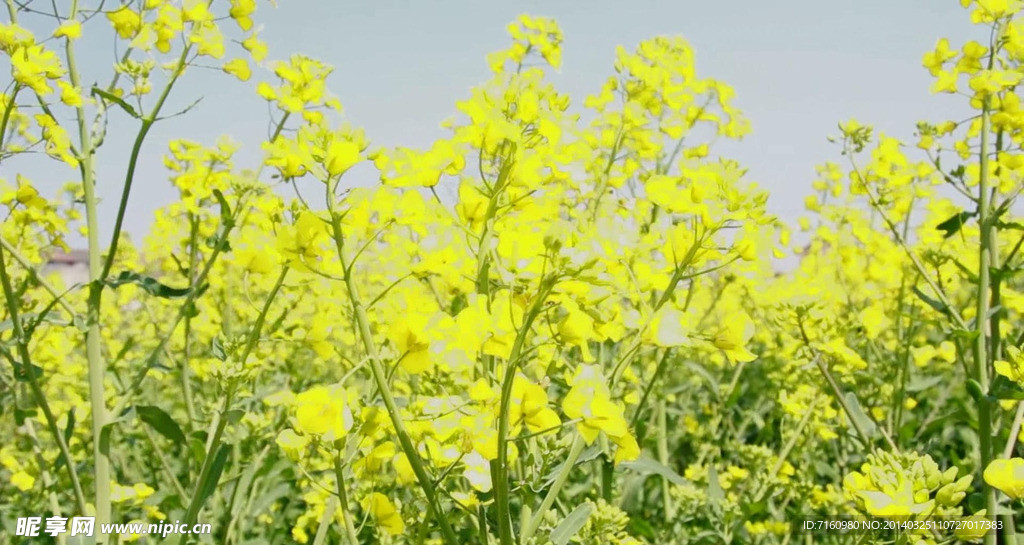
x=981, y=360
x=670, y=510
x=350, y=528
x=501, y=472
x=380, y=378
x=94, y=352
x=186, y=382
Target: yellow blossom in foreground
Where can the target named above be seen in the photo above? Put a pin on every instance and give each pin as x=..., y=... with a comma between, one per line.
x=733, y=337
x=322, y=411
x=1007, y=475
x=1014, y=368
x=590, y=401
x=384, y=512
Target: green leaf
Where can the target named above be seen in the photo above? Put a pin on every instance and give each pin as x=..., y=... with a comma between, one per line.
x=214, y=240
x=646, y=465
x=930, y=301
x=110, y=97
x=147, y=283
x=234, y=416
x=217, y=349
x=21, y=414
x=587, y=455
x=213, y=478
x=27, y=373
x=715, y=492
x=225, y=208
x=976, y=502
x=270, y=497
x=923, y=383
x=640, y=527
x=857, y=414
x=951, y=226
x=1004, y=388
x=161, y=422
x=69, y=430
x=571, y=524
x=108, y=428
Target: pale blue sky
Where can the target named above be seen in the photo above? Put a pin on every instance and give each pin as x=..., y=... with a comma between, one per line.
x=798, y=68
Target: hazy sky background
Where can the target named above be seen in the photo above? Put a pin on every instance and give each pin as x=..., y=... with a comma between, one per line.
x=798, y=68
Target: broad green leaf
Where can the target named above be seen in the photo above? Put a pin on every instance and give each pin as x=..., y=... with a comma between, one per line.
x=69, y=430
x=161, y=422
x=234, y=416
x=858, y=415
x=923, y=383
x=571, y=524
x=1004, y=388
x=225, y=208
x=27, y=373
x=147, y=283
x=646, y=465
x=207, y=488
x=217, y=349
x=110, y=97
x=951, y=226
x=931, y=301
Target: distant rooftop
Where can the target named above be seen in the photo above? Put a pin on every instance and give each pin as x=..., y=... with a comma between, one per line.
x=72, y=257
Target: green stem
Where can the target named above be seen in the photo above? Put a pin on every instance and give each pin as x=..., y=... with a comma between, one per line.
x=837, y=391
x=501, y=472
x=34, y=275
x=549, y=499
x=658, y=370
x=186, y=383
x=7, y=116
x=183, y=311
x=325, y=521
x=93, y=337
x=213, y=445
x=129, y=178
x=196, y=503
x=26, y=368
x=670, y=509
x=257, y=328
x=380, y=378
x=350, y=528
x=164, y=463
x=981, y=362
x=578, y=443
